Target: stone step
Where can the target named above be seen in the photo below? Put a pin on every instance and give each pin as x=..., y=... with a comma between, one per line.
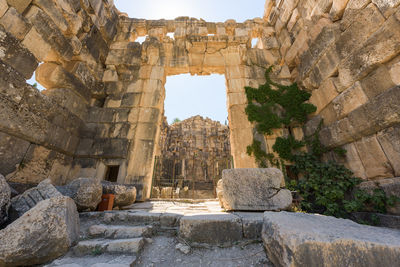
x=119, y=231
x=105, y=260
x=100, y=246
x=132, y=218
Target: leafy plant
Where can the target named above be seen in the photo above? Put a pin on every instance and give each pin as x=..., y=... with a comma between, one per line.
x=176, y=120
x=325, y=187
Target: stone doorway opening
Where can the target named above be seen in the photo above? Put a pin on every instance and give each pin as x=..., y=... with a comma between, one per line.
x=193, y=149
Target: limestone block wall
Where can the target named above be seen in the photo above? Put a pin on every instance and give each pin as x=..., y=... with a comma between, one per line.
x=40, y=132
x=103, y=102
x=347, y=53
x=136, y=74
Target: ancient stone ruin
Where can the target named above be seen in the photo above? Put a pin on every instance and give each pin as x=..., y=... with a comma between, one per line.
x=192, y=155
x=101, y=115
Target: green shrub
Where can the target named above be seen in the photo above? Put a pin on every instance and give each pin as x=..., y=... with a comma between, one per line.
x=325, y=187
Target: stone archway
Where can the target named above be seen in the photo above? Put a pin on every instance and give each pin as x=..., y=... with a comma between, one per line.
x=199, y=48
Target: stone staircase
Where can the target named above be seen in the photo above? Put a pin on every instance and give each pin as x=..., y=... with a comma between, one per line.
x=119, y=238
x=112, y=239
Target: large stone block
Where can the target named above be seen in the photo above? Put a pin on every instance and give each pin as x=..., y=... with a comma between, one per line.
x=96, y=45
x=3, y=7
x=349, y=100
x=30, y=198
x=44, y=233
x=129, y=56
x=380, y=113
x=211, y=229
x=50, y=32
x=382, y=46
x=12, y=152
x=85, y=192
x=387, y=7
x=358, y=27
x=15, y=23
x=299, y=239
x=322, y=96
x=337, y=10
x=254, y=189
x=353, y=161
x=318, y=46
x=34, y=42
x=373, y=158
x=124, y=194
x=19, y=5
x=15, y=55
x=389, y=139
x=51, y=75
x=377, y=82
x=5, y=197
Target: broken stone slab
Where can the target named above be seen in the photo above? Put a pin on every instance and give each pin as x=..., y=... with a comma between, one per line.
x=211, y=228
x=253, y=190
x=27, y=200
x=299, y=239
x=252, y=224
x=5, y=198
x=44, y=233
x=125, y=195
x=86, y=192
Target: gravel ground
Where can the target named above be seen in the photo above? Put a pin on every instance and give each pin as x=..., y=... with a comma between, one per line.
x=162, y=251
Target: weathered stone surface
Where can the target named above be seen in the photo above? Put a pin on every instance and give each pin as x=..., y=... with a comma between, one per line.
x=30, y=198
x=349, y=100
x=5, y=197
x=299, y=239
x=391, y=187
x=124, y=194
x=3, y=7
x=15, y=55
x=337, y=10
x=377, y=82
x=15, y=23
x=86, y=192
x=376, y=50
x=52, y=75
x=375, y=161
x=382, y=112
x=389, y=139
x=211, y=229
x=44, y=233
x=254, y=189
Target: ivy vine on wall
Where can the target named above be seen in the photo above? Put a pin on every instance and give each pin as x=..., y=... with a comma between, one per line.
x=326, y=187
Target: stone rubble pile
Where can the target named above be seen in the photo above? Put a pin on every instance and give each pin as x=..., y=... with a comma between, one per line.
x=45, y=232
x=27, y=200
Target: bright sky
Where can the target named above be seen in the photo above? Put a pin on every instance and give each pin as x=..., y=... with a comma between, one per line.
x=188, y=96
x=209, y=10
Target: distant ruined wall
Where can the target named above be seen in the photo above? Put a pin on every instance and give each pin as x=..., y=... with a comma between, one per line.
x=347, y=53
x=104, y=96
x=198, y=150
